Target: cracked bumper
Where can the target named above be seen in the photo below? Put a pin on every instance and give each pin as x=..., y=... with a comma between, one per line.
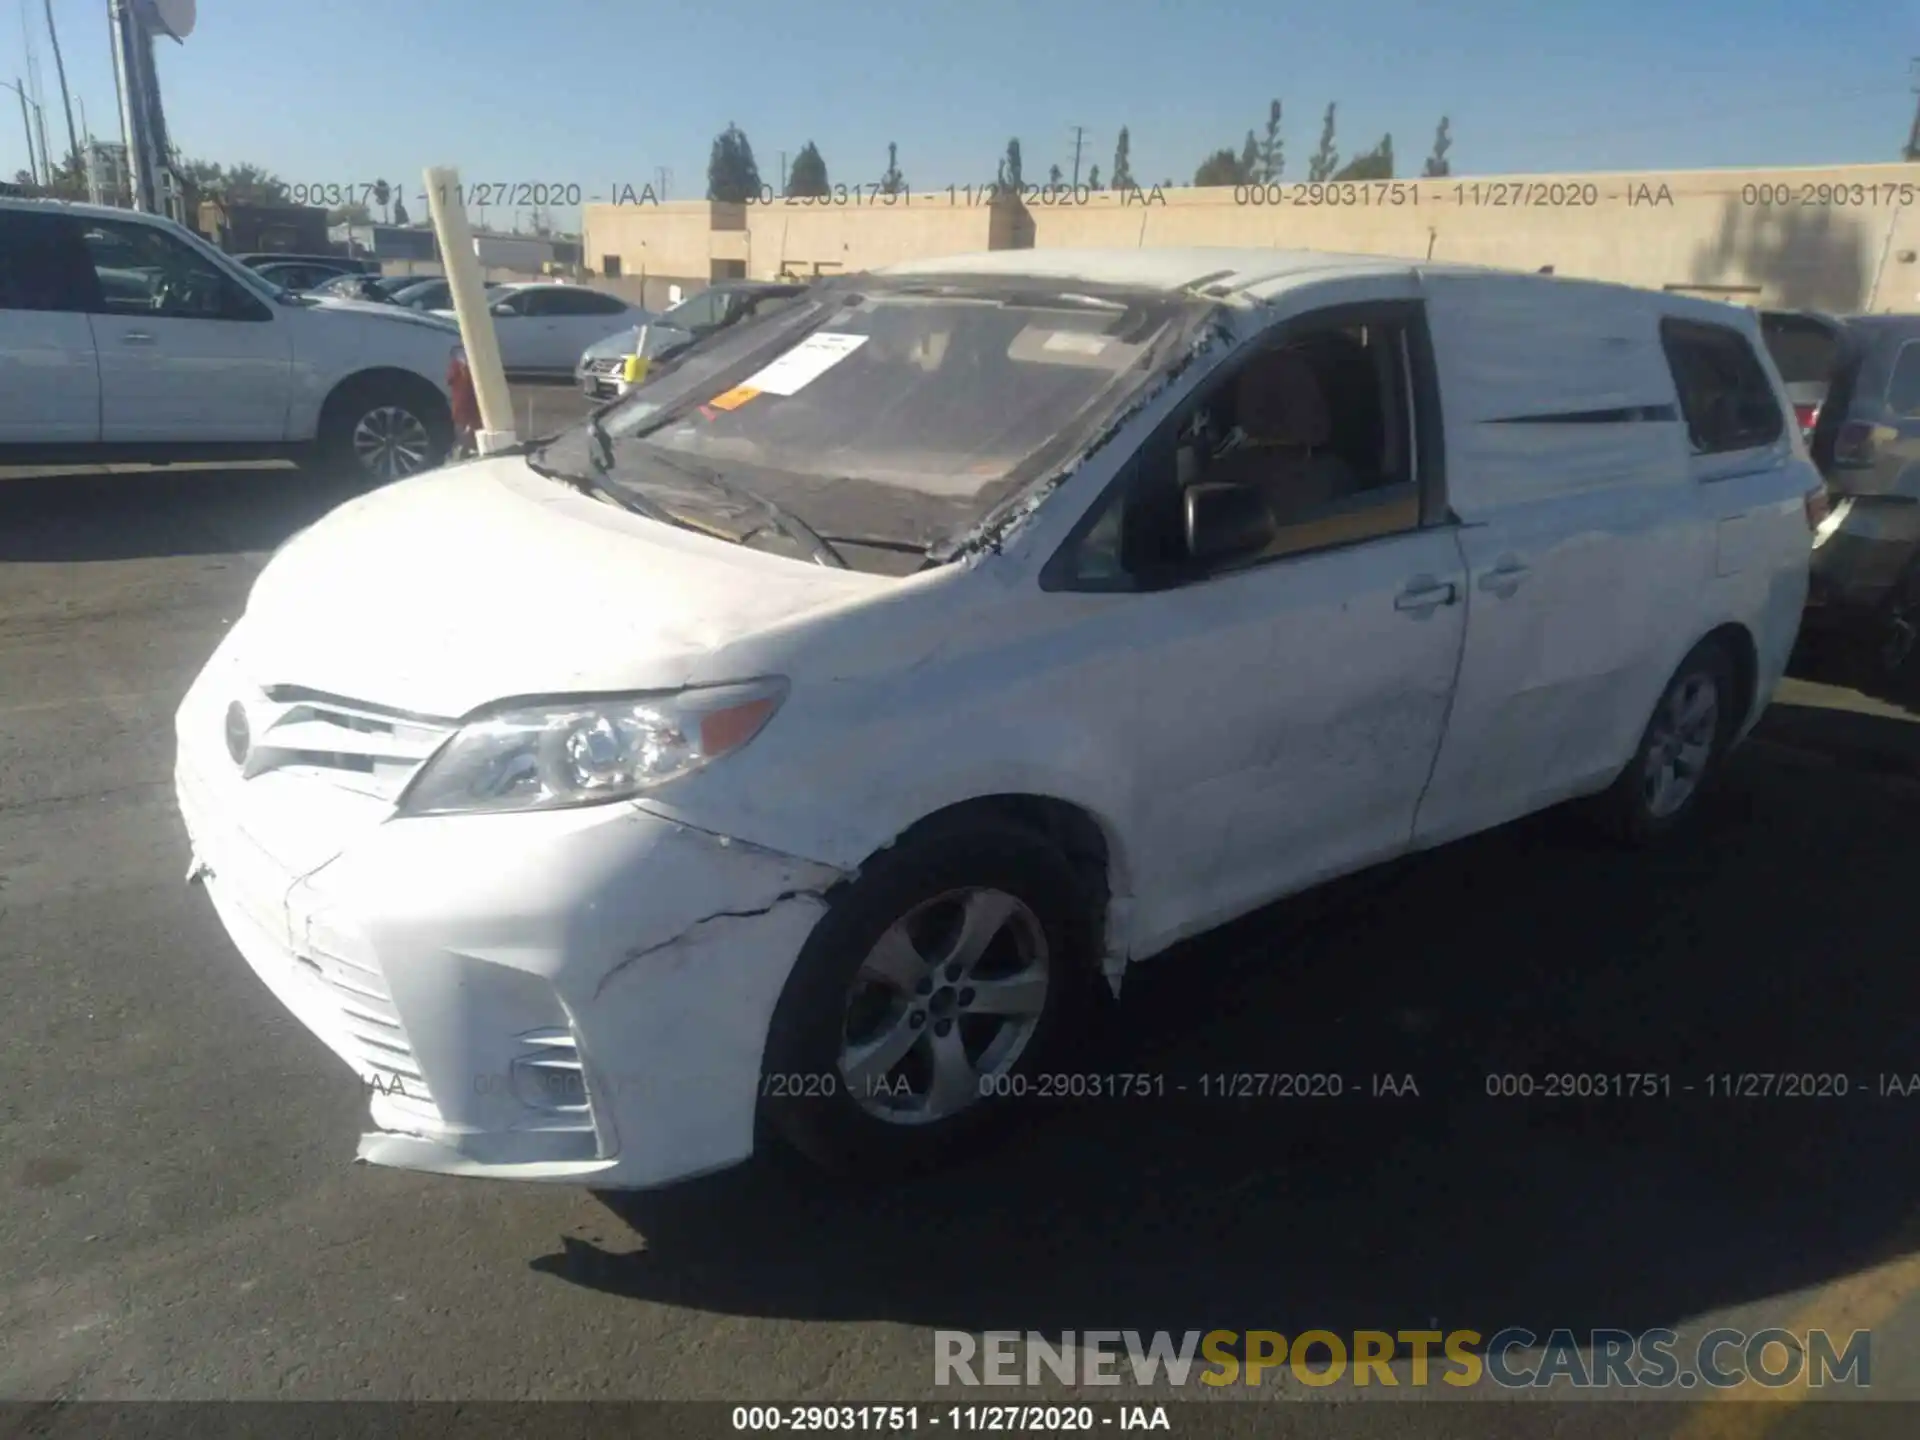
x=576, y=996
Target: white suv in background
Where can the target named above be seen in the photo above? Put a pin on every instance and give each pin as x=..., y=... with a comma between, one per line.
x=123, y=336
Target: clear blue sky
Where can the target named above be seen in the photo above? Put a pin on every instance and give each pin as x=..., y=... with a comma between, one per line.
x=600, y=92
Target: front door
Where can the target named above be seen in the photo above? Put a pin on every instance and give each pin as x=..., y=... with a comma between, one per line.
x=187, y=354
x=1287, y=705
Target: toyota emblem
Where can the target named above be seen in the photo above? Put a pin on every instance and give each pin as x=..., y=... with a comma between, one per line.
x=239, y=734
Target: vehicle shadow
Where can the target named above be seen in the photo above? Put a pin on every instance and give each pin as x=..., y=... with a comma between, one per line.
x=145, y=514
x=1536, y=950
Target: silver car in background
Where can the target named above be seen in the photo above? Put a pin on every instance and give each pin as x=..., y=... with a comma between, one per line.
x=712, y=310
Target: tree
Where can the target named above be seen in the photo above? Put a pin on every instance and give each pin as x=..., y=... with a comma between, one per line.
x=732, y=174
x=1249, y=160
x=1376, y=164
x=1437, y=163
x=237, y=185
x=1326, y=159
x=1054, y=177
x=809, y=173
x=354, y=214
x=1122, y=169
x=1010, y=166
x=1273, y=157
x=893, y=182
x=68, y=181
x=1219, y=168
x=1093, y=179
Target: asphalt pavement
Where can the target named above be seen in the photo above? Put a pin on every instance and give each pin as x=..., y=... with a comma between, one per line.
x=182, y=1218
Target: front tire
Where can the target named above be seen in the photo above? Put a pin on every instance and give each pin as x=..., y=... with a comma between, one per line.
x=381, y=428
x=1680, y=751
x=959, y=965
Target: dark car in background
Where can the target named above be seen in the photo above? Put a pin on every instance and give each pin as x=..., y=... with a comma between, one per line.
x=1855, y=384
x=691, y=321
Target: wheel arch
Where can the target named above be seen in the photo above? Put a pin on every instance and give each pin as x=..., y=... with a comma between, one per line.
x=410, y=381
x=1089, y=843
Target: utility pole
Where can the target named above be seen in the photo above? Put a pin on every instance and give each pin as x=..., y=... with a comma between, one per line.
x=133, y=126
x=1079, y=139
x=60, y=69
x=664, y=177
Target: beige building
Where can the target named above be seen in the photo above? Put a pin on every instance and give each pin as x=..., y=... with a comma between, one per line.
x=1844, y=238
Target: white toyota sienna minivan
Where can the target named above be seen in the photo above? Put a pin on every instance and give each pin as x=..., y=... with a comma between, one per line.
x=818, y=734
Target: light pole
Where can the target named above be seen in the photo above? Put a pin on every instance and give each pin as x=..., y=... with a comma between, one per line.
x=26, y=123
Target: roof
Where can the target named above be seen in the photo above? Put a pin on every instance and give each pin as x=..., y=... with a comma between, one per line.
x=79, y=208
x=1159, y=269
x=1260, y=274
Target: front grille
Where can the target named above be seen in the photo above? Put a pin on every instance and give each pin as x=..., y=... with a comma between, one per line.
x=357, y=746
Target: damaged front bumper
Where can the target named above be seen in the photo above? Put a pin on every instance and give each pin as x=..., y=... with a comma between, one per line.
x=576, y=996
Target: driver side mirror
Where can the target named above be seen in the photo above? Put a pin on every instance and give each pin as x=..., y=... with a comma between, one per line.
x=1227, y=522
x=505, y=307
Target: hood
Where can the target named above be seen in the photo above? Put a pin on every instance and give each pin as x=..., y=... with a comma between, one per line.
x=399, y=314
x=613, y=346
x=484, y=581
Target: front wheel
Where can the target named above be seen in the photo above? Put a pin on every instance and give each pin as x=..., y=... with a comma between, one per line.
x=1679, y=752
x=379, y=429
x=958, y=965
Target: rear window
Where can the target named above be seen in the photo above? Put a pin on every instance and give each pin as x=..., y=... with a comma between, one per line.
x=1725, y=395
x=1903, y=390
x=1803, y=350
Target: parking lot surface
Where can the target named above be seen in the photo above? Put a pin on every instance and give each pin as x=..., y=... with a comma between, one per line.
x=182, y=1218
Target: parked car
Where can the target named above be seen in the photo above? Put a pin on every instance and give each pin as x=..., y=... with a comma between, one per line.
x=379, y=289
x=254, y=259
x=693, y=319
x=543, y=327
x=127, y=337
x=818, y=734
x=299, y=276
x=1862, y=374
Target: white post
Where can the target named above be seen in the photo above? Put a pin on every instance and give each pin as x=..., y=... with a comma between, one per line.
x=457, y=250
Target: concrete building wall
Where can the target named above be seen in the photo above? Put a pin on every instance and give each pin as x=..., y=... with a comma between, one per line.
x=1843, y=237
x=1838, y=238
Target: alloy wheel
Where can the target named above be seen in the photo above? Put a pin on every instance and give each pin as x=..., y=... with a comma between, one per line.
x=1680, y=743
x=391, y=442
x=944, y=1005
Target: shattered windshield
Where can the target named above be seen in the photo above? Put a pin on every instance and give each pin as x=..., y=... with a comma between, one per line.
x=898, y=413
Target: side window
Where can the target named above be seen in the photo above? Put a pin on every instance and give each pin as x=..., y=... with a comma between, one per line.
x=1313, y=431
x=143, y=271
x=1903, y=390
x=700, y=312
x=518, y=302
x=43, y=266
x=595, y=303
x=1724, y=392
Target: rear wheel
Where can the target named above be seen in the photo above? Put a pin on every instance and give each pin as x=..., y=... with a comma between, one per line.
x=956, y=967
x=383, y=428
x=1680, y=750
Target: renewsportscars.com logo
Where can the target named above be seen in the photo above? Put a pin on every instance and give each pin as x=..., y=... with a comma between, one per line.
x=1511, y=1359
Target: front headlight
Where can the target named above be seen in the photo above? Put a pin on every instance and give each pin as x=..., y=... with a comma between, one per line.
x=555, y=755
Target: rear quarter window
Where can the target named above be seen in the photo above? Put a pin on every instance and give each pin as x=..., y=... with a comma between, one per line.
x=1725, y=395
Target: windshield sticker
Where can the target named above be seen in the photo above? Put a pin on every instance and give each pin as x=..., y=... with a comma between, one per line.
x=734, y=398
x=1076, y=341
x=804, y=364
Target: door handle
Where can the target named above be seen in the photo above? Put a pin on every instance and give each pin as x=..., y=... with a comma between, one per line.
x=1424, y=595
x=136, y=337
x=1505, y=578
